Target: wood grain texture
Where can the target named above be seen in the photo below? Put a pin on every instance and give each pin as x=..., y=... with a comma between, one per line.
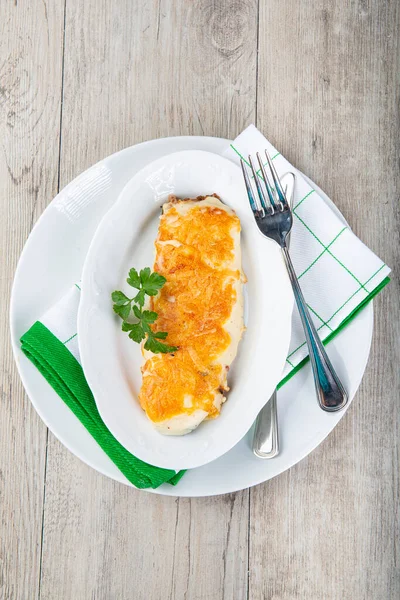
x=146, y=70
x=30, y=85
x=128, y=71
x=154, y=69
x=105, y=540
x=329, y=527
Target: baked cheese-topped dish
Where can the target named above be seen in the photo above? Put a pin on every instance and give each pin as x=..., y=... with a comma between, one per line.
x=201, y=308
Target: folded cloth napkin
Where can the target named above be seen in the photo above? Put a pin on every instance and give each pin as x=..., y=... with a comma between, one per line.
x=57, y=358
x=58, y=361
x=338, y=275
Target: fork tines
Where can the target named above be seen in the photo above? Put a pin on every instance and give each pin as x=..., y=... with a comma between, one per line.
x=270, y=196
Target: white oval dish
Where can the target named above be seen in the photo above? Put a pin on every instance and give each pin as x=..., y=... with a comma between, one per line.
x=111, y=361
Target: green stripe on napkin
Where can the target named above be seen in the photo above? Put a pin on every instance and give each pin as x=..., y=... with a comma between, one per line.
x=65, y=375
x=334, y=333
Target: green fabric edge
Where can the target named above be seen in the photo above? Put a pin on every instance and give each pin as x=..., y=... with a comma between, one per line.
x=65, y=375
x=342, y=325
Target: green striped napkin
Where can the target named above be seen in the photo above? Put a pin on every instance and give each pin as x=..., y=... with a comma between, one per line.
x=338, y=274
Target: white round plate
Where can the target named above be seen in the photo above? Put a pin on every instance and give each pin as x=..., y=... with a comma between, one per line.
x=111, y=362
x=52, y=261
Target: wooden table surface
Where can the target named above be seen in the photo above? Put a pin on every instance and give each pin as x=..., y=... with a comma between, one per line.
x=80, y=79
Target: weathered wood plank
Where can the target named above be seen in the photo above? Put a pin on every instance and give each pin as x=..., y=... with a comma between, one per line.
x=104, y=540
x=30, y=87
x=135, y=71
x=328, y=528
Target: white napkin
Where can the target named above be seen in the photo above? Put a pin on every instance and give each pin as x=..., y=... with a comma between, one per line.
x=337, y=272
x=62, y=320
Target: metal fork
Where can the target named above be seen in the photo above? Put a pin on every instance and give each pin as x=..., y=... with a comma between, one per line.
x=266, y=431
x=274, y=219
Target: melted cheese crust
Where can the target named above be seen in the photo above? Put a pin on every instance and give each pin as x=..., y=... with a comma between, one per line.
x=201, y=307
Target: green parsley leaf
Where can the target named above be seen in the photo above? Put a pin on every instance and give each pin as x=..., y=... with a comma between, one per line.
x=145, y=275
x=146, y=328
x=158, y=347
x=149, y=316
x=136, y=333
x=123, y=311
x=137, y=312
x=139, y=298
x=147, y=283
x=119, y=298
x=154, y=284
x=161, y=335
x=134, y=279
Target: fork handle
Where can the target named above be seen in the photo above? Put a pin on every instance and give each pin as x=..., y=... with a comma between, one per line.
x=330, y=392
x=265, y=440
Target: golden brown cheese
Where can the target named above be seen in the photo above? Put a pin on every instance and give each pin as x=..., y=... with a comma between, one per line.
x=201, y=308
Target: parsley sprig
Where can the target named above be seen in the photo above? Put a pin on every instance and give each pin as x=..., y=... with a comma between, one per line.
x=147, y=283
